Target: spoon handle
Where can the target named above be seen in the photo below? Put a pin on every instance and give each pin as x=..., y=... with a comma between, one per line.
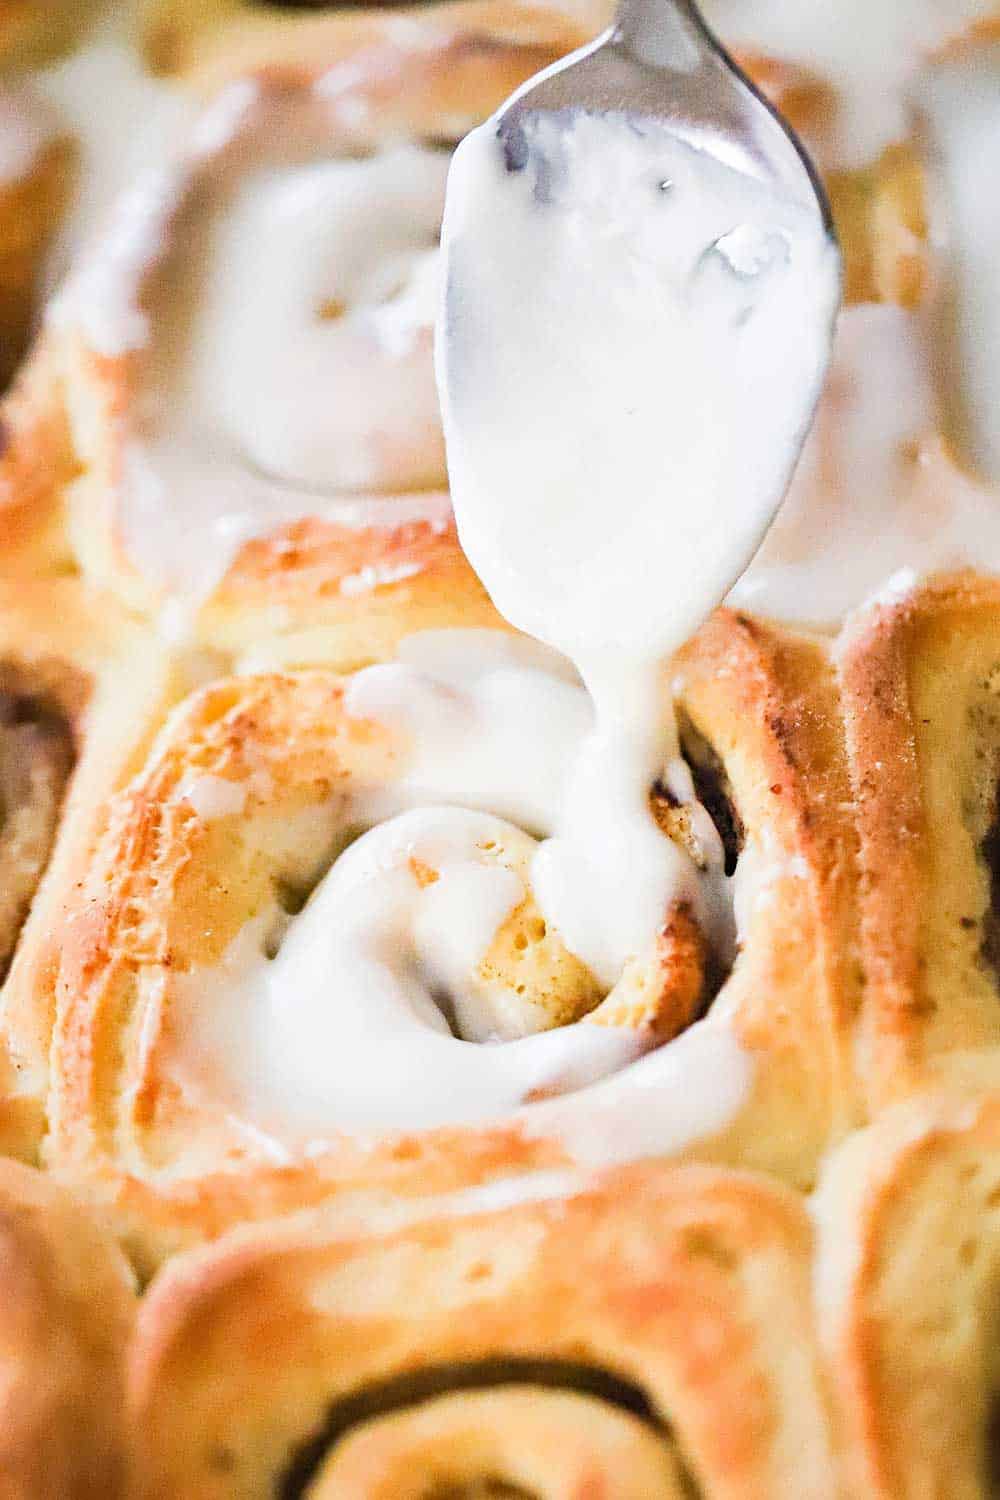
x=664, y=33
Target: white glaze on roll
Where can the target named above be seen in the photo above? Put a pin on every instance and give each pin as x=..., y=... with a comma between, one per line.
x=284, y=342
x=123, y=120
x=876, y=491
x=311, y=352
x=28, y=124
x=344, y=1032
x=868, y=50
x=345, y=1029
x=667, y=1101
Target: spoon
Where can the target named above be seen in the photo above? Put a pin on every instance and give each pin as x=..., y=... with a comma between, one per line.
x=660, y=61
x=641, y=279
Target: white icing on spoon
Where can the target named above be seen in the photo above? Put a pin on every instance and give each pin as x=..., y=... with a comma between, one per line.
x=635, y=333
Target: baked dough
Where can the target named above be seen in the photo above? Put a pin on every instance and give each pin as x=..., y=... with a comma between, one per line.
x=648, y=1334
x=82, y=689
x=921, y=675
x=65, y=1316
x=907, y=1274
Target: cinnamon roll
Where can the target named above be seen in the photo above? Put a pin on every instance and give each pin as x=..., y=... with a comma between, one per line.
x=81, y=688
x=226, y=1048
x=645, y=1335
x=65, y=1316
x=907, y=1276
x=920, y=671
x=255, y=474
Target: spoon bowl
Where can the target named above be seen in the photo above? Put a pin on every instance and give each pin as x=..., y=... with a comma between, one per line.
x=641, y=280
x=659, y=61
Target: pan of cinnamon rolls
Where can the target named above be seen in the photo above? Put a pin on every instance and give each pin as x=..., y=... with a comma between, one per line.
x=334, y=1163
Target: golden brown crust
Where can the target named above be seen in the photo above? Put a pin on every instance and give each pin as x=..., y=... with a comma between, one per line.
x=882, y=222
x=767, y=700
x=65, y=1316
x=427, y=75
x=923, y=726
x=37, y=463
x=908, y=1270
x=92, y=685
x=210, y=42
x=284, y=600
x=804, y=97
x=689, y=1285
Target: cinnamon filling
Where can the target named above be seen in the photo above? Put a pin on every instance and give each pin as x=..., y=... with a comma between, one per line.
x=980, y=804
x=989, y=853
x=403, y=1391
x=36, y=758
x=483, y=1489
x=991, y=1460
x=714, y=790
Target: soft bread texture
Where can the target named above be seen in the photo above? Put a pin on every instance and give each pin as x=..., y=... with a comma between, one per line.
x=766, y=700
x=82, y=689
x=649, y=1334
x=208, y=42
x=907, y=1275
x=37, y=462
x=502, y=1442
x=169, y=890
x=34, y=32
x=882, y=222
x=921, y=676
x=65, y=1316
x=317, y=592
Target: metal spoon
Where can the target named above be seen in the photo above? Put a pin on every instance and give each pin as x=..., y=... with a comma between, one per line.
x=659, y=60
x=641, y=280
